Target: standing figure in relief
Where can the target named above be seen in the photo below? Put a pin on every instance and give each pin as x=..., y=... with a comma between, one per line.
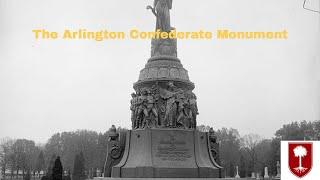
x=182, y=119
x=151, y=110
x=194, y=110
x=141, y=112
x=169, y=95
x=133, y=108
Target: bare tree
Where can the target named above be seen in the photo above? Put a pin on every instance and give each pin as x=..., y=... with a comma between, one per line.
x=249, y=143
x=5, y=152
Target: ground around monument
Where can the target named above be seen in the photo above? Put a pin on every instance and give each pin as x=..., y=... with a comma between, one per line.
x=176, y=178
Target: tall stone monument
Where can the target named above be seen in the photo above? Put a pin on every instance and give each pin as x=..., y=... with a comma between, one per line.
x=164, y=141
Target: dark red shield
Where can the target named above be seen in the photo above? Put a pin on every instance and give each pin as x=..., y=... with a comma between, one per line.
x=300, y=158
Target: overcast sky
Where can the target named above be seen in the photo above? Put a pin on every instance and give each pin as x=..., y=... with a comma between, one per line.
x=255, y=86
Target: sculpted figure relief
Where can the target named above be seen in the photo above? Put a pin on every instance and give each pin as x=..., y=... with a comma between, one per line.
x=115, y=150
x=169, y=107
x=193, y=110
x=133, y=108
x=213, y=145
x=151, y=110
x=141, y=111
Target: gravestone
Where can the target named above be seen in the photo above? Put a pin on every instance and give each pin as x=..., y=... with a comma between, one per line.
x=266, y=175
x=164, y=141
x=98, y=173
x=258, y=176
x=278, y=176
x=253, y=175
x=237, y=175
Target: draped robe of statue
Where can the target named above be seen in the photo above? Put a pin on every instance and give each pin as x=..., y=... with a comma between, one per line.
x=170, y=119
x=162, y=8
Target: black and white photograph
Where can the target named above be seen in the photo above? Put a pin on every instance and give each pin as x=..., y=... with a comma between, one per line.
x=159, y=89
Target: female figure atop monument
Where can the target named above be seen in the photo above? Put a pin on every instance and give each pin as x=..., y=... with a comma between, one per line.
x=161, y=9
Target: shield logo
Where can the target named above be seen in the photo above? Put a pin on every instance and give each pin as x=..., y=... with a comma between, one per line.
x=300, y=158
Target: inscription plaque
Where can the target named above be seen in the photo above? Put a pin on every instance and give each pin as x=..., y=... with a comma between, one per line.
x=173, y=150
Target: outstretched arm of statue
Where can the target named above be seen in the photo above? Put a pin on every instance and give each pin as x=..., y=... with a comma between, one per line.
x=152, y=10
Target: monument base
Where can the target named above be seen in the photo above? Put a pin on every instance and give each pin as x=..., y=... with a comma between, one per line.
x=166, y=153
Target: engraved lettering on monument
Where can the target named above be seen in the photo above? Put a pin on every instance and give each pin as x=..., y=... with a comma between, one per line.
x=171, y=149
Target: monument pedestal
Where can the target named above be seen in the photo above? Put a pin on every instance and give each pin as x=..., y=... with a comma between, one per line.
x=166, y=153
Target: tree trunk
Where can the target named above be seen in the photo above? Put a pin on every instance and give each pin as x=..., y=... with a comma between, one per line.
x=12, y=173
x=300, y=163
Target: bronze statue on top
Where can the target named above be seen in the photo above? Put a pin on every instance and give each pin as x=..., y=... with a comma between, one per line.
x=163, y=46
x=161, y=9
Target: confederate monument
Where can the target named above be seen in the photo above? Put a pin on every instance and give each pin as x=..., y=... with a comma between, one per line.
x=164, y=141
